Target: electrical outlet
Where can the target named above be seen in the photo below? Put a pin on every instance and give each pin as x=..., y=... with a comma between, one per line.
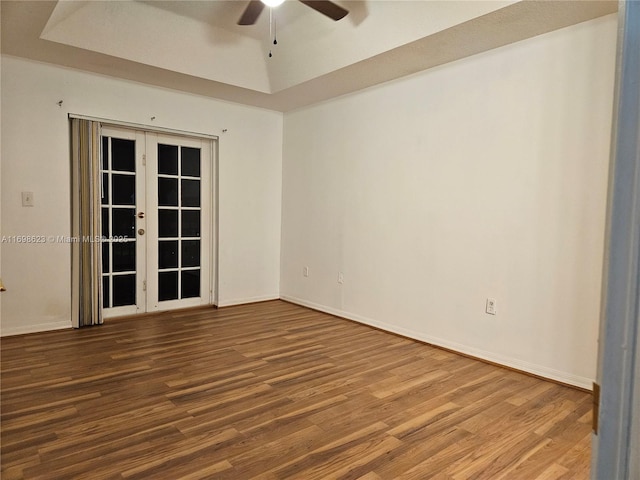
x=340, y=278
x=491, y=306
x=27, y=199
x=305, y=271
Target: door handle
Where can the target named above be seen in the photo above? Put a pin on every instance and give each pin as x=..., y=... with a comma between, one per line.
x=141, y=231
x=140, y=214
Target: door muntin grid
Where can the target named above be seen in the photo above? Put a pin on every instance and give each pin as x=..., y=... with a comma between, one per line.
x=118, y=210
x=179, y=222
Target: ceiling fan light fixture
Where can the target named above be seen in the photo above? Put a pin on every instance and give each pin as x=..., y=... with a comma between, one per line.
x=272, y=3
x=255, y=7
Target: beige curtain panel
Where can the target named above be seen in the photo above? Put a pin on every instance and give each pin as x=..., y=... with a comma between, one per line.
x=86, y=266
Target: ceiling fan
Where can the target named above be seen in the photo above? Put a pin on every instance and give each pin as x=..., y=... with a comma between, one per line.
x=255, y=7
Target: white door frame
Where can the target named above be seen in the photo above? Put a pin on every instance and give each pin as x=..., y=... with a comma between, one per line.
x=213, y=251
x=616, y=447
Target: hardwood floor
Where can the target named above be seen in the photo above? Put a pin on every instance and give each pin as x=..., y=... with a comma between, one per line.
x=274, y=391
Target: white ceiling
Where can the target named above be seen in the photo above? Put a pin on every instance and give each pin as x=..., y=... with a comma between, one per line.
x=196, y=46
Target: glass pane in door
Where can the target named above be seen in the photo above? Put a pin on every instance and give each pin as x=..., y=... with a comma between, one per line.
x=179, y=222
x=118, y=193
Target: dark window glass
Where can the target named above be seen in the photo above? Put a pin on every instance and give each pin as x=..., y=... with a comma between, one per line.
x=167, y=286
x=190, y=283
x=190, y=253
x=190, y=193
x=123, y=155
x=124, y=189
x=168, y=223
x=105, y=153
x=124, y=290
x=167, y=159
x=190, y=162
x=123, y=222
x=105, y=222
x=168, y=254
x=105, y=257
x=124, y=256
x=104, y=189
x=168, y=192
x=105, y=292
x=190, y=223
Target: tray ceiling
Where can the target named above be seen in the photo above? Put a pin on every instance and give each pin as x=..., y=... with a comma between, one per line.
x=196, y=46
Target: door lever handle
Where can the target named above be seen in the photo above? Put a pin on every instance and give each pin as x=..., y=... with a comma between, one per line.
x=140, y=214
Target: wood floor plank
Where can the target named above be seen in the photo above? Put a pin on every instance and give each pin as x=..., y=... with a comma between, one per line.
x=274, y=391
x=405, y=458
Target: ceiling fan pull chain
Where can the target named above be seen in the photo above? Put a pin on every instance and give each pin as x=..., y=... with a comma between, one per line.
x=270, y=28
x=275, y=31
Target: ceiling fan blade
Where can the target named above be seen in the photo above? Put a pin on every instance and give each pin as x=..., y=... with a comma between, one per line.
x=330, y=9
x=251, y=13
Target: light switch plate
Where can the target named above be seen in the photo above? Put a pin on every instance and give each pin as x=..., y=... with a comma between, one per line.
x=491, y=306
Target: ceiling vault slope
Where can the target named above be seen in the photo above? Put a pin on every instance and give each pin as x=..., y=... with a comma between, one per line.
x=196, y=46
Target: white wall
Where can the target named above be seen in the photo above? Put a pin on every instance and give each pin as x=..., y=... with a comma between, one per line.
x=35, y=157
x=482, y=178
x=0, y=191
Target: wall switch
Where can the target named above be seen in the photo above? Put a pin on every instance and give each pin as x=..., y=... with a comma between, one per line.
x=340, y=278
x=305, y=271
x=491, y=306
x=27, y=199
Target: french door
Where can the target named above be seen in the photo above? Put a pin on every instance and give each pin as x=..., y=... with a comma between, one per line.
x=156, y=221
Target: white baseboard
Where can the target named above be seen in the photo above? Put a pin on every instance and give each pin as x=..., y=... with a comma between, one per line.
x=45, y=327
x=242, y=301
x=40, y=327
x=538, y=370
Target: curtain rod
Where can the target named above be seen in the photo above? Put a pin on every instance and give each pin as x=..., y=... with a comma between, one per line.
x=147, y=128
